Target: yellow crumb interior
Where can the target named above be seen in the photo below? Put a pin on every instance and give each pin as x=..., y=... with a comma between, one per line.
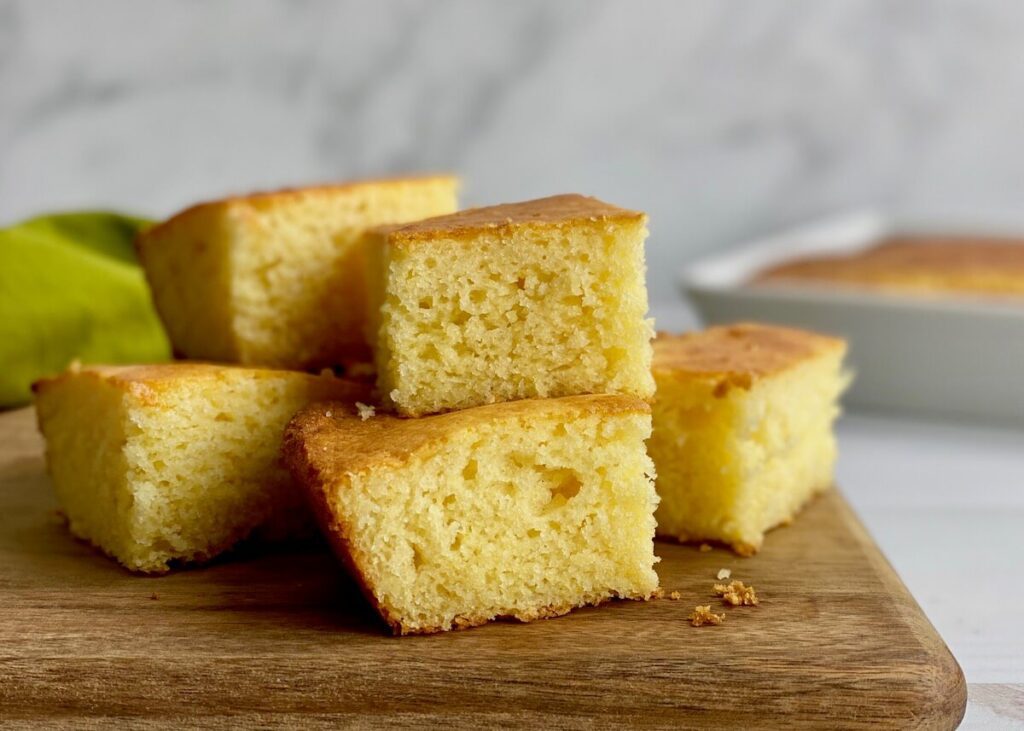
x=521, y=521
x=173, y=474
x=188, y=268
x=731, y=467
x=83, y=422
x=284, y=274
x=528, y=313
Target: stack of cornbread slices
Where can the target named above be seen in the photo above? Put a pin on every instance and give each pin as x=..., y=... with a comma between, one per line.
x=528, y=492
x=499, y=466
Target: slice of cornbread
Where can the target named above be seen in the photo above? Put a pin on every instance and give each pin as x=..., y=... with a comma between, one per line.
x=537, y=299
x=278, y=279
x=525, y=509
x=154, y=464
x=742, y=429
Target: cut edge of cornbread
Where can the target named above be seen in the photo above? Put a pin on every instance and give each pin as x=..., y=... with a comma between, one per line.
x=538, y=299
x=743, y=429
x=175, y=463
x=278, y=278
x=519, y=510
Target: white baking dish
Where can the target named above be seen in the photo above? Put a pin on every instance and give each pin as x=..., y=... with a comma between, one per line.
x=955, y=358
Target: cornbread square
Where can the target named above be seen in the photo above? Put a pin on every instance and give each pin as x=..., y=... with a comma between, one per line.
x=524, y=509
x=278, y=279
x=154, y=464
x=528, y=300
x=743, y=432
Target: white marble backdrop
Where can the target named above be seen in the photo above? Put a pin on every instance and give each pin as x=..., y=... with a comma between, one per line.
x=721, y=118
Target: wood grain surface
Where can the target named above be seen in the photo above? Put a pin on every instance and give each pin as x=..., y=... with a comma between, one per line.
x=284, y=640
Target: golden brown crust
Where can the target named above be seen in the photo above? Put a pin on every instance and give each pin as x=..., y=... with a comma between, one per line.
x=345, y=443
x=736, y=356
x=467, y=621
x=261, y=199
x=915, y=263
x=148, y=379
x=555, y=211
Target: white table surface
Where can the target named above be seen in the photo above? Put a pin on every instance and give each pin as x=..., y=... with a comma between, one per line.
x=946, y=504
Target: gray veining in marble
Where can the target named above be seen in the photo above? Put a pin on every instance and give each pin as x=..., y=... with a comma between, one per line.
x=721, y=118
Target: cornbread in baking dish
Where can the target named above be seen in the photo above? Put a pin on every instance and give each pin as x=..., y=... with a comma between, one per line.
x=743, y=429
x=921, y=265
x=537, y=299
x=154, y=464
x=522, y=510
x=278, y=279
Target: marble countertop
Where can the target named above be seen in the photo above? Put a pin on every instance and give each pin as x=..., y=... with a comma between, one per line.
x=945, y=502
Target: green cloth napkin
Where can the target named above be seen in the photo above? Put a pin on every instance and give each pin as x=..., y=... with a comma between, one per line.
x=71, y=288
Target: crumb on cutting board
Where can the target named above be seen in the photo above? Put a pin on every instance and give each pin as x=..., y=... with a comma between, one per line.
x=675, y=596
x=702, y=615
x=704, y=547
x=723, y=574
x=365, y=410
x=737, y=594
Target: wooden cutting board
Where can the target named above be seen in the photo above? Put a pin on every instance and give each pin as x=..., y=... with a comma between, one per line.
x=285, y=639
